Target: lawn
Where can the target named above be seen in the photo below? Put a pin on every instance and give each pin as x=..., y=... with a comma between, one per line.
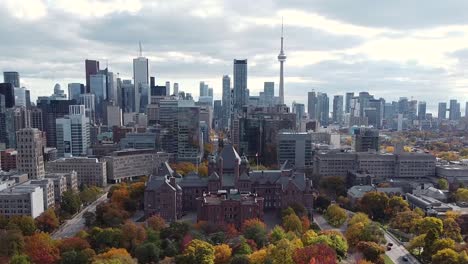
x=388, y=260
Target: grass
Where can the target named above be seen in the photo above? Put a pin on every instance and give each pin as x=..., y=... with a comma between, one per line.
x=387, y=260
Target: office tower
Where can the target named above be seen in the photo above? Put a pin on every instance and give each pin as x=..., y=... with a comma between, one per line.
x=89, y=102
x=312, y=105
x=348, y=98
x=168, y=88
x=58, y=94
x=12, y=77
x=323, y=108
x=466, y=109
x=281, y=59
x=422, y=110
x=141, y=79
x=217, y=111
x=226, y=100
x=51, y=110
x=403, y=106
x=113, y=116
x=128, y=96
x=299, y=110
x=338, y=109
x=91, y=67
x=112, y=91
x=176, y=88
x=28, y=99
x=412, y=109
x=366, y=139
x=20, y=96
x=36, y=118
x=240, y=85
x=30, y=148
x=7, y=90
x=454, y=110
x=374, y=112
x=99, y=89
x=442, y=111
x=203, y=89
x=16, y=118
x=269, y=93
x=74, y=91
x=73, y=138
x=210, y=92
x=390, y=110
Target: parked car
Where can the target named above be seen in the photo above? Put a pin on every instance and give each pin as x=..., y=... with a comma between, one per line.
x=405, y=258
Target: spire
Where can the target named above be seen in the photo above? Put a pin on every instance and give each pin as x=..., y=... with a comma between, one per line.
x=141, y=50
x=282, y=28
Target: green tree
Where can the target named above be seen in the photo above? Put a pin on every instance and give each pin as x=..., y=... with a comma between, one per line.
x=74, y=257
x=334, y=186
x=243, y=248
x=452, y=229
x=417, y=244
x=11, y=242
x=461, y=195
x=71, y=202
x=24, y=223
x=321, y=203
x=90, y=194
x=396, y=204
x=443, y=184
x=240, y=259
x=147, y=253
x=335, y=215
x=442, y=243
x=405, y=221
x=308, y=237
x=292, y=223
x=374, y=204
x=256, y=230
x=199, y=251
x=426, y=224
x=277, y=233
x=445, y=256
x=282, y=252
x=20, y=259
x=338, y=242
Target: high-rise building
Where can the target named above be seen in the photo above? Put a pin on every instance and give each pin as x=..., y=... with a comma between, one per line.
x=73, y=138
x=30, y=145
x=323, y=108
x=74, y=91
x=7, y=89
x=338, y=109
x=226, y=100
x=240, y=85
x=113, y=116
x=28, y=99
x=51, y=110
x=366, y=139
x=112, y=89
x=140, y=78
x=20, y=96
x=466, y=109
x=422, y=110
x=210, y=92
x=128, y=96
x=168, y=88
x=12, y=77
x=36, y=118
x=454, y=110
x=58, y=94
x=91, y=67
x=176, y=89
x=203, y=89
x=348, y=98
x=99, y=89
x=312, y=105
x=281, y=59
x=269, y=93
x=299, y=110
x=442, y=111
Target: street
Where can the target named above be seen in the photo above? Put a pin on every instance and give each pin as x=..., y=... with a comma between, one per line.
x=398, y=251
x=77, y=223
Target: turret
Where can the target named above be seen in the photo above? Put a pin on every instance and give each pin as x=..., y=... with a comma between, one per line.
x=211, y=165
x=244, y=166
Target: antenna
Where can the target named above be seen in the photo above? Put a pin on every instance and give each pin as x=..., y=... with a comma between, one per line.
x=281, y=26
x=141, y=50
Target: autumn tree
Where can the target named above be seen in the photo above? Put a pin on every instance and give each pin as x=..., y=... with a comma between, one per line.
x=292, y=223
x=11, y=242
x=282, y=252
x=319, y=253
x=24, y=223
x=334, y=186
x=374, y=205
x=276, y=234
x=47, y=221
x=452, y=229
x=396, y=204
x=73, y=243
x=41, y=248
x=240, y=259
x=147, y=253
x=445, y=256
x=443, y=184
x=424, y=225
x=256, y=230
x=222, y=254
x=114, y=255
x=359, y=218
x=156, y=222
x=461, y=195
x=110, y=214
x=336, y=241
x=371, y=251
x=258, y=257
x=308, y=238
x=335, y=215
x=199, y=251
x=417, y=244
x=132, y=235
x=370, y=232
x=405, y=221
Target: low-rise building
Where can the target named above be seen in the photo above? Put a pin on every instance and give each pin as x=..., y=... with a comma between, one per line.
x=454, y=174
x=8, y=159
x=163, y=197
x=60, y=185
x=48, y=189
x=22, y=201
x=90, y=171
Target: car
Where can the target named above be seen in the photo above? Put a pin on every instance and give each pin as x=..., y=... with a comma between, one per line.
x=390, y=244
x=389, y=248
x=405, y=258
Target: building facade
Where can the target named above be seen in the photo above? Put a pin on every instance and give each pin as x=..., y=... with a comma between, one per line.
x=90, y=171
x=30, y=145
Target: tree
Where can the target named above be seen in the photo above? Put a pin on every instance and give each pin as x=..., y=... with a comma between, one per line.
x=243, y=248
x=337, y=242
x=445, y=256
x=47, y=221
x=199, y=251
x=71, y=202
x=73, y=243
x=147, y=253
x=426, y=224
x=292, y=223
x=11, y=242
x=461, y=195
x=240, y=259
x=258, y=257
x=321, y=203
x=282, y=252
x=374, y=205
x=110, y=214
x=452, y=229
x=90, y=194
x=20, y=259
x=255, y=229
x=276, y=234
x=156, y=222
x=41, y=248
x=417, y=243
x=443, y=184
x=359, y=218
x=308, y=237
x=203, y=170
x=364, y=232
x=77, y=257
x=106, y=238
x=335, y=215
x=333, y=186
x=396, y=204
x=132, y=235
x=114, y=255
x=319, y=253
x=305, y=223
x=222, y=254
x=442, y=243
x=405, y=221
x=371, y=250
x=24, y=223
x=90, y=218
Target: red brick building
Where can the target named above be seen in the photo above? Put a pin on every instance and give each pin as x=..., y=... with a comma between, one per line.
x=8, y=159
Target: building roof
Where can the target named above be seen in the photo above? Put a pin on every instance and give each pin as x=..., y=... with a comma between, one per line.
x=358, y=191
x=192, y=179
x=230, y=156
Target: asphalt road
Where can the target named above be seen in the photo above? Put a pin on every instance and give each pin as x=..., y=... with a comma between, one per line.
x=77, y=223
x=398, y=251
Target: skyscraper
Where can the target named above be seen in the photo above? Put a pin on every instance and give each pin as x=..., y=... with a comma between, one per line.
x=442, y=111
x=91, y=67
x=323, y=108
x=422, y=110
x=312, y=105
x=20, y=96
x=269, y=93
x=98, y=88
x=226, y=102
x=30, y=146
x=168, y=88
x=338, y=109
x=8, y=91
x=74, y=90
x=466, y=109
x=454, y=110
x=73, y=137
x=281, y=59
x=240, y=84
x=203, y=89
x=348, y=98
x=12, y=77
x=176, y=88
x=140, y=78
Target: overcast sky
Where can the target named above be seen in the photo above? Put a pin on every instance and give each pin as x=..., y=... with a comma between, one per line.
x=391, y=48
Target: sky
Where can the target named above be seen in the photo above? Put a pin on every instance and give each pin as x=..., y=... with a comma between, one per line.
x=391, y=48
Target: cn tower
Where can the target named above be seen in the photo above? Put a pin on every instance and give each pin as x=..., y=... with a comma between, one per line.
x=281, y=59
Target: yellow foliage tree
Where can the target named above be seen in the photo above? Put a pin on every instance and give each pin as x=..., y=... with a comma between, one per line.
x=222, y=254
x=258, y=257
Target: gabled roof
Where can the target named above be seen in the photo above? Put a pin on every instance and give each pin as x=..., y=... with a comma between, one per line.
x=229, y=155
x=165, y=169
x=157, y=182
x=193, y=180
x=244, y=176
x=214, y=177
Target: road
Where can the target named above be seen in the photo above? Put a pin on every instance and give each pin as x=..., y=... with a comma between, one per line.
x=398, y=251
x=77, y=223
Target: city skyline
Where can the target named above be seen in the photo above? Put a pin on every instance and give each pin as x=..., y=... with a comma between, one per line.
x=329, y=50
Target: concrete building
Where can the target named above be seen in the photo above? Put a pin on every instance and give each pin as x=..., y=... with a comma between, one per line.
x=12, y=77
x=146, y=140
x=113, y=116
x=8, y=159
x=48, y=189
x=240, y=84
x=130, y=164
x=141, y=80
x=60, y=185
x=365, y=139
x=90, y=171
x=74, y=91
x=22, y=201
x=30, y=158
x=73, y=133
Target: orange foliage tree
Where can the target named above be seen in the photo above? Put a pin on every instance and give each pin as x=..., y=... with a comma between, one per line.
x=156, y=222
x=41, y=248
x=222, y=254
x=47, y=221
